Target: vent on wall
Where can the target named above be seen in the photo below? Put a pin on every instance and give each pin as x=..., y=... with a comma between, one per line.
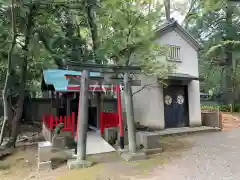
x=174, y=53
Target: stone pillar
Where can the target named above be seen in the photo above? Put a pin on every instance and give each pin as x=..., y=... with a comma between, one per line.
x=82, y=125
x=130, y=114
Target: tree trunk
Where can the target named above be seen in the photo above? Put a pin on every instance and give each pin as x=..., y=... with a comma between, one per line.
x=23, y=78
x=167, y=9
x=6, y=89
x=229, y=67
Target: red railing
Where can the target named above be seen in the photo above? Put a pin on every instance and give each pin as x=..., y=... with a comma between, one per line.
x=108, y=120
x=51, y=122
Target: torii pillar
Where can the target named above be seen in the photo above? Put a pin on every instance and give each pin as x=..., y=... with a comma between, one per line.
x=81, y=161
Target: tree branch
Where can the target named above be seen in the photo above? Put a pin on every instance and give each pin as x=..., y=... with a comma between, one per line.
x=186, y=20
x=58, y=61
x=142, y=88
x=93, y=26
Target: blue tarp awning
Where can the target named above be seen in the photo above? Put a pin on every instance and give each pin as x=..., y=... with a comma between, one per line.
x=57, y=79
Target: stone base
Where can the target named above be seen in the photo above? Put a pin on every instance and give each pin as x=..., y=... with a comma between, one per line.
x=110, y=135
x=120, y=151
x=74, y=164
x=44, y=151
x=45, y=166
x=128, y=156
x=149, y=140
x=62, y=155
x=58, y=142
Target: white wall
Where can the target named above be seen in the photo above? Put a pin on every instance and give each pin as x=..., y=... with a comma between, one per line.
x=149, y=103
x=189, y=55
x=194, y=104
x=188, y=65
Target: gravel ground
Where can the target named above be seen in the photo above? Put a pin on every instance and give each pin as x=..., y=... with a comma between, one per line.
x=214, y=156
x=204, y=156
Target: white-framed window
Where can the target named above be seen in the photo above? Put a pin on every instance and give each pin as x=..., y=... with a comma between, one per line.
x=174, y=53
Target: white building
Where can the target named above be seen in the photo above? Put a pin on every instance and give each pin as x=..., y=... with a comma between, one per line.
x=178, y=104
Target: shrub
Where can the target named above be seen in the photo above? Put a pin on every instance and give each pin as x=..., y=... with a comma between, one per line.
x=223, y=108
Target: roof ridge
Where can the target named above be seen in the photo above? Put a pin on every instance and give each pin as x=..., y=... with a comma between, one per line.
x=172, y=23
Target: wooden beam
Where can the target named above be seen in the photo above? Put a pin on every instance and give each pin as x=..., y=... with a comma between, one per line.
x=77, y=88
x=72, y=65
x=70, y=76
x=112, y=81
x=73, y=81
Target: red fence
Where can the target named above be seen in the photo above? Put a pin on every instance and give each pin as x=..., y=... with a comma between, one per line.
x=107, y=120
x=52, y=121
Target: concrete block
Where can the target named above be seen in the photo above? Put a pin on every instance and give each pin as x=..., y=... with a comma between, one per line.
x=128, y=156
x=58, y=142
x=211, y=119
x=111, y=135
x=44, y=151
x=75, y=164
x=45, y=166
x=149, y=140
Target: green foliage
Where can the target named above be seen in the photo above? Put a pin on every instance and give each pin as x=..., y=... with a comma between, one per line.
x=126, y=34
x=223, y=108
x=217, y=50
x=211, y=23
x=62, y=33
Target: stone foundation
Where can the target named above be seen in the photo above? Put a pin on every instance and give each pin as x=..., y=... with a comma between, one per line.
x=148, y=140
x=58, y=143
x=111, y=135
x=44, y=155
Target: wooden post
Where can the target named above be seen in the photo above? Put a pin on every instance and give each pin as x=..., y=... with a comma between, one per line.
x=57, y=104
x=83, y=117
x=68, y=105
x=101, y=116
x=120, y=120
x=99, y=108
x=52, y=102
x=130, y=114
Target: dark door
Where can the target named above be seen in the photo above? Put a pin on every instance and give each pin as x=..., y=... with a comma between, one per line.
x=92, y=112
x=92, y=116
x=175, y=106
